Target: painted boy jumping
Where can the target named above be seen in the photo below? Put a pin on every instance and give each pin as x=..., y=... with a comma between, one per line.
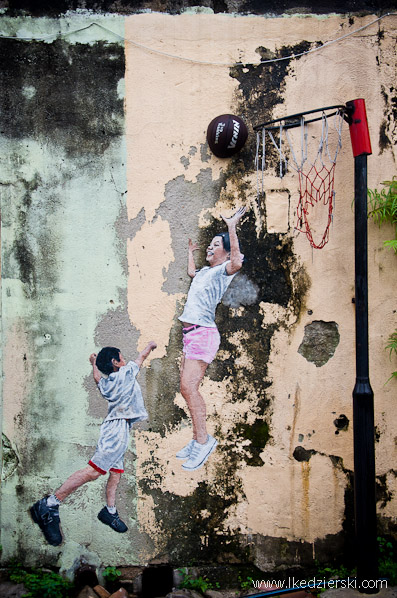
x=125, y=407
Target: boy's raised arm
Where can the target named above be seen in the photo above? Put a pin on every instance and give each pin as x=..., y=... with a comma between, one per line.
x=143, y=354
x=96, y=373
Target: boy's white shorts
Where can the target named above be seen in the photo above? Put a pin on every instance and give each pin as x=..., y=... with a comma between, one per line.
x=112, y=445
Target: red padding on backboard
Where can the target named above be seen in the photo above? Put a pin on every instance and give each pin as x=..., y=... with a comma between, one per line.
x=359, y=133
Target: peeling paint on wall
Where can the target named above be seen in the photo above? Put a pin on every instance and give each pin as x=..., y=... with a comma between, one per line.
x=320, y=342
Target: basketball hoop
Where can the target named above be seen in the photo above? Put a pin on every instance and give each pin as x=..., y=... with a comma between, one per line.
x=363, y=397
x=316, y=171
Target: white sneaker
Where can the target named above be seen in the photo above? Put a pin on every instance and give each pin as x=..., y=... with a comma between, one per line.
x=200, y=454
x=185, y=452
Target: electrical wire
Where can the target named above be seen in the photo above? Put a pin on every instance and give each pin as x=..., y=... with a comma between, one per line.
x=192, y=60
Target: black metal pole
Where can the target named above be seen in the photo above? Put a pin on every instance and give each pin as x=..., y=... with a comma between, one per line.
x=363, y=401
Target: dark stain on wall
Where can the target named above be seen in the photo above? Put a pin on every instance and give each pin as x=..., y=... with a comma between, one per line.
x=262, y=88
x=58, y=7
x=341, y=423
x=387, y=126
x=384, y=141
x=301, y=454
x=63, y=93
x=194, y=526
x=162, y=384
x=269, y=264
x=383, y=494
x=31, y=258
x=258, y=434
x=35, y=253
x=321, y=7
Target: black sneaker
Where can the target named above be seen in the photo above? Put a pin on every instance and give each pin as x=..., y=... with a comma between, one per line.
x=113, y=521
x=47, y=518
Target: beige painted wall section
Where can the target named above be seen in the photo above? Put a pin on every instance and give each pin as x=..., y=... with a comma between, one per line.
x=168, y=106
x=169, y=103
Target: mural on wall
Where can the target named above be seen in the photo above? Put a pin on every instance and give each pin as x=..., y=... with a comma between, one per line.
x=126, y=407
x=106, y=174
x=201, y=337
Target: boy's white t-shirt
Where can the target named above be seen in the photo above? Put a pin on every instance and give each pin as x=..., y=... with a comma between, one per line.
x=123, y=393
x=206, y=291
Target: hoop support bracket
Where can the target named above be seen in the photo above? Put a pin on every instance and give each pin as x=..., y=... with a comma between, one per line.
x=356, y=116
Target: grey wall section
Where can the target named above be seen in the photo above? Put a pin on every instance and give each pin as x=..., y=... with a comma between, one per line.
x=63, y=185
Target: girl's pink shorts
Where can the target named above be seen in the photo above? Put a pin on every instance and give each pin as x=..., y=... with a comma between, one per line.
x=201, y=343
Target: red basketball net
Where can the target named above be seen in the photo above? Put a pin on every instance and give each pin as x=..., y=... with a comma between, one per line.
x=315, y=187
x=316, y=175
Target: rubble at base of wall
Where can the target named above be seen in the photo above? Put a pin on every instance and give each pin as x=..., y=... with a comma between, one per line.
x=12, y=590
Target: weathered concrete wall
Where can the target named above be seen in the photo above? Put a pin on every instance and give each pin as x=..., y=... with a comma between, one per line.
x=63, y=186
x=105, y=175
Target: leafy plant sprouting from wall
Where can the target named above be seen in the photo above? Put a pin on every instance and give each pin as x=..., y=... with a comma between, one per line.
x=383, y=209
x=392, y=346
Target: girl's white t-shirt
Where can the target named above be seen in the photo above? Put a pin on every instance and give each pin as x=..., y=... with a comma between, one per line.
x=206, y=291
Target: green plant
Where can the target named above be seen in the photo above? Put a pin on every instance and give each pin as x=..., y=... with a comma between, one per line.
x=383, y=209
x=387, y=561
x=387, y=565
x=392, y=346
x=245, y=584
x=111, y=574
x=39, y=583
x=328, y=572
x=200, y=584
x=334, y=572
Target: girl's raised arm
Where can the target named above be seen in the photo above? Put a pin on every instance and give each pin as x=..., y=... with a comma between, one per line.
x=236, y=258
x=191, y=266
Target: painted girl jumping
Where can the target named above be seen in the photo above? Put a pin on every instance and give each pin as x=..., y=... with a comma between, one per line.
x=201, y=338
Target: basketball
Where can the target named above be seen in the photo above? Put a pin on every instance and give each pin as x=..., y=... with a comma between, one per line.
x=226, y=135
